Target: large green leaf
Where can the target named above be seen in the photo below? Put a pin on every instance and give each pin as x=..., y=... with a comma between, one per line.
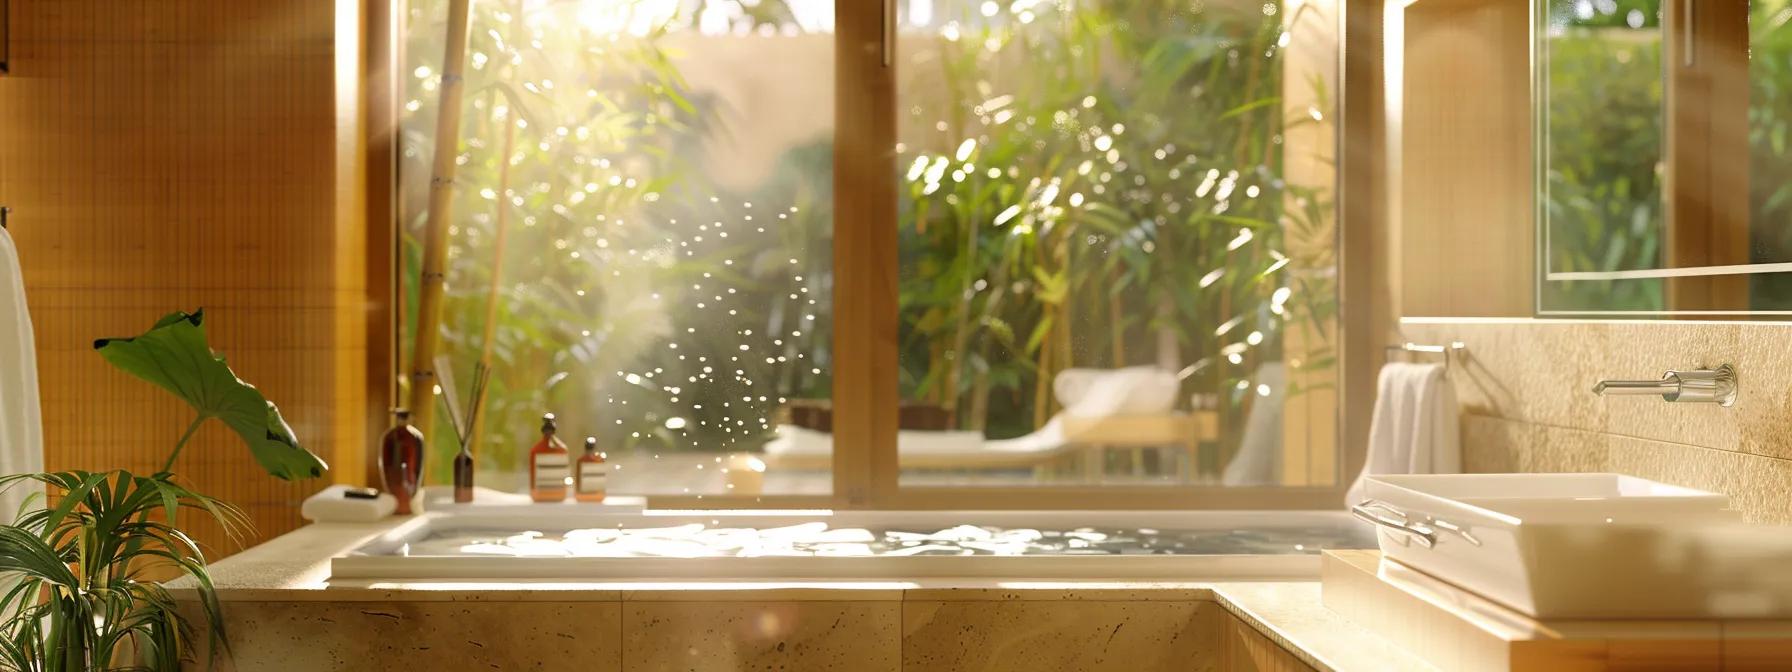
x=174, y=356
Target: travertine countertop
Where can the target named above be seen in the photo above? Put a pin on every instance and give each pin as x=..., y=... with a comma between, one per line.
x=296, y=567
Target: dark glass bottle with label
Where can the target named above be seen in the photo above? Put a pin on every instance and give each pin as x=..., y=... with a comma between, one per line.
x=591, y=479
x=548, y=464
x=401, y=461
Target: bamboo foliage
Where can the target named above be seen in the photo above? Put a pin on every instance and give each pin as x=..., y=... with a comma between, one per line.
x=1101, y=186
x=578, y=153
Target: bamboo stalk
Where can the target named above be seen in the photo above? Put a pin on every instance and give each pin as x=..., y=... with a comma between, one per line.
x=1116, y=328
x=979, y=411
x=1042, y=387
x=502, y=228
x=962, y=333
x=435, y=235
x=1065, y=355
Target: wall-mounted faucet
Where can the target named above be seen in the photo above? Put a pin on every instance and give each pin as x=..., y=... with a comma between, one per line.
x=1701, y=386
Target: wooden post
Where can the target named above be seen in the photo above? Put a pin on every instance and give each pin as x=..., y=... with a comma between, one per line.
x=435, y=235
x=380, y=71
x=865, y=264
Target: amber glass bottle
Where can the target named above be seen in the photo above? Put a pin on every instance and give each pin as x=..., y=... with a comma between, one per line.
x=401, y=461
x=548, y=464
x=590, y=481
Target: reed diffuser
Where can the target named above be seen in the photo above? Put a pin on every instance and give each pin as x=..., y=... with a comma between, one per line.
x=464, y=422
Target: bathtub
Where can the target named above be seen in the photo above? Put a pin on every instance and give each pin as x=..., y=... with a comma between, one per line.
x=1170, y=545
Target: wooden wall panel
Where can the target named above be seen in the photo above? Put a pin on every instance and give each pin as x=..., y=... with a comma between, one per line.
x=177, y=154
x=1464, y=221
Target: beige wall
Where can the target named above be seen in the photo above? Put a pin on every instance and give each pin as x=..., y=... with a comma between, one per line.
x=1528, y=406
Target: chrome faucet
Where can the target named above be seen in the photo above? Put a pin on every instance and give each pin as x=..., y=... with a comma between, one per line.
x=1700, y=386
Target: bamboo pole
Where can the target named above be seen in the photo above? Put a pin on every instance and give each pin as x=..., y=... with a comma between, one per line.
x=502, y=227
x=961, y=334
x=435, y=235
x=500, y=235
x=1116, y=322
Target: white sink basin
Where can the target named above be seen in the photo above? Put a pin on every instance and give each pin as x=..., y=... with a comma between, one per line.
x=1584, y=546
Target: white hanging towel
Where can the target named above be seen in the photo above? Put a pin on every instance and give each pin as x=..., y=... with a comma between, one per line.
x=1415, y=429
x=21, y=422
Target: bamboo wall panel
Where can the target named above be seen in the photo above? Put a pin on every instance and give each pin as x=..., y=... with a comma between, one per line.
x=176, y=154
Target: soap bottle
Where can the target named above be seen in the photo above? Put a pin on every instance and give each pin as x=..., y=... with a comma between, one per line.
x=463, y=476
x=548, y=464
x=589, y=482
x=401, y=461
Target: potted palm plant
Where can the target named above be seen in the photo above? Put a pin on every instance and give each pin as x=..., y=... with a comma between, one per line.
x=78, y=570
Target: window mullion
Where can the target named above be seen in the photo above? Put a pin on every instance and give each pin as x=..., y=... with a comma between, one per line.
x=865, y=299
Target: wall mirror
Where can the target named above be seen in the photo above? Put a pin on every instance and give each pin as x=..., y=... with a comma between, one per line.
x=1664, y=177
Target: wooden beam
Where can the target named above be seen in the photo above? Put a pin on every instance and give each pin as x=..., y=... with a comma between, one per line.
x=865, y=263
x=1309, y=159
x=380, y=67
x=1367, y=311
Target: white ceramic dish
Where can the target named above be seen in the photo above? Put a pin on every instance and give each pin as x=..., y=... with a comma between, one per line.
x=1583, y=546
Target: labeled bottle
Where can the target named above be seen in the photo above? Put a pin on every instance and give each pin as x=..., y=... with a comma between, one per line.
x=463, y=476
x=590, y=481
x=548, y=464
x=401, y=461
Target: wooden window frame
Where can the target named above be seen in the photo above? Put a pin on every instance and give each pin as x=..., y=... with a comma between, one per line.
x=1706, y=58
x=865, y=465
x=1705, y=53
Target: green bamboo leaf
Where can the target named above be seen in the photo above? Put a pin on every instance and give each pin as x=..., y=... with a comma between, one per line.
x=1043, y=327
x=1053, y=287
x=174, y=356
x=1253, y=105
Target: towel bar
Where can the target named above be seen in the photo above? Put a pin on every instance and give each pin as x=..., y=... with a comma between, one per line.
x=1420, y=348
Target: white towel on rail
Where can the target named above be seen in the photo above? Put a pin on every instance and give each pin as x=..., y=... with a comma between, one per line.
x=1416, y=428
x=21, y=421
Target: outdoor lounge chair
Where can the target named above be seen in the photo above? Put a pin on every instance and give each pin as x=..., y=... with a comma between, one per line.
x=1122, y=408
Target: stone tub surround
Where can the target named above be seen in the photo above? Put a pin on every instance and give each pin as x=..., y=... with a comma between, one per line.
x=1526, y=391
x=285, y=614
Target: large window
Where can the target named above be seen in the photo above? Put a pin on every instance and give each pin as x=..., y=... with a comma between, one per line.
x=1113, y=263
